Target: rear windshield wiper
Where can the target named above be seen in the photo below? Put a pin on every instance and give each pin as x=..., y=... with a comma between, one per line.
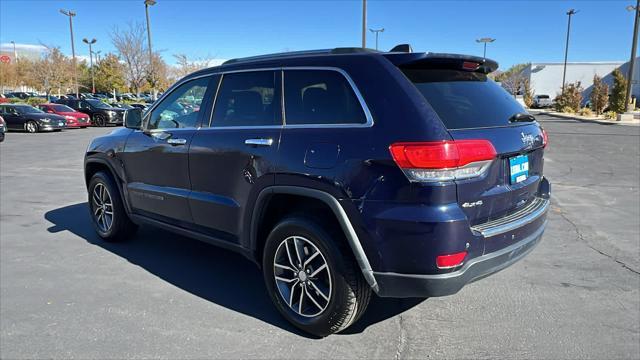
x=521, y=117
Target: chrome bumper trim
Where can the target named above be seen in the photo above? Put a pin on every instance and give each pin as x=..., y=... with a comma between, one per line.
x=524, y=216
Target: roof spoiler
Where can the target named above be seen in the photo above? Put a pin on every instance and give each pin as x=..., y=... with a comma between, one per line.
x=443, y=61
x=405, y=48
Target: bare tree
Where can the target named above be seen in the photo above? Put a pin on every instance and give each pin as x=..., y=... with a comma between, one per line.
x=52, y=71
x=185, y=66
x=513, y=78
x=130, y=45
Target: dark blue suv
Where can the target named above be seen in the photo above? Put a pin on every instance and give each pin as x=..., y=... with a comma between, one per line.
x=338, y=172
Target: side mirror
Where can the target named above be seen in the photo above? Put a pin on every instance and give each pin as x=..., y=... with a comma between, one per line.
x=133, y=120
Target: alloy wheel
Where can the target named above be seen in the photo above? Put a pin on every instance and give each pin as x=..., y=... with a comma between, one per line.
x=102, y=207
x=302, y=276
x=32, y=127
x=100, y=121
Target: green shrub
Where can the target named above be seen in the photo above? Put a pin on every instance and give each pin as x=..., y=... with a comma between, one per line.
x=571, y=98
x=528, y=93
x=618, y=92
x=610, y=115
x=34, y=101
x=585, y=112
x=599, y=95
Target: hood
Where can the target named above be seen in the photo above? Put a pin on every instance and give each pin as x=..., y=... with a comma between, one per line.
x=75, y=114
x=45, y=116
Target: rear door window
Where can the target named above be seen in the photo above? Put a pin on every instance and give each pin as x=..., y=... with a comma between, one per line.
x=248, y=99
x=464, y=99
x=320, y=97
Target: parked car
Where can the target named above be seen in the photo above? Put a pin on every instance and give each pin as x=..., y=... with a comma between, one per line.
x=4, y=99
x=3, y=129
x=339, y=172
x=30, y=119
x=139, y=106
x=75, y=119
x=100, y=113
x=20, y=95
x=121, y=106
x=542, y=101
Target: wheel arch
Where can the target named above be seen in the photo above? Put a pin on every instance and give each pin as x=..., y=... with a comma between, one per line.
x=337, y=213
x=95, y=164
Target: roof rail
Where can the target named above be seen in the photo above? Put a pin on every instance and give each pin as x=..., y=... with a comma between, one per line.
x=339, y=50
x=277, y=55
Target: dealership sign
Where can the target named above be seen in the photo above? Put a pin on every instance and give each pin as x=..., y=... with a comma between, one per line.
x=5, y=59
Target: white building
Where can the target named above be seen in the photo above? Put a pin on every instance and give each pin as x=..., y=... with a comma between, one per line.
x=546, y=78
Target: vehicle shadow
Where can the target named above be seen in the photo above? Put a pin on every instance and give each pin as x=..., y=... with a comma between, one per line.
x=205, y=270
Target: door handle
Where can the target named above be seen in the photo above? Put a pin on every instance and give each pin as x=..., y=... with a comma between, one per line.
x=259, y=142
x=177, y=141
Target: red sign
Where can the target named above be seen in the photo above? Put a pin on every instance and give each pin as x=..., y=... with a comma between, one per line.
x=5, y=59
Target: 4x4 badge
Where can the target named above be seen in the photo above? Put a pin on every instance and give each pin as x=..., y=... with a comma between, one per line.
x=472, y=204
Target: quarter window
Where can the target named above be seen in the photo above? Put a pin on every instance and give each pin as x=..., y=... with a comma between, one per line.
x=320, y=97
x=181, y=108
x=248, y=99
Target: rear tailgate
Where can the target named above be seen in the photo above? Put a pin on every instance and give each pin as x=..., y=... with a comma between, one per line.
x=472, y=106
x=498, y=193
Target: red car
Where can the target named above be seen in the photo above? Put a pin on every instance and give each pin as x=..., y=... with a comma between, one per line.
x=74, y=118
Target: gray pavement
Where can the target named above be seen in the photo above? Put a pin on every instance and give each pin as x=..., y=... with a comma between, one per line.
x=65, y=294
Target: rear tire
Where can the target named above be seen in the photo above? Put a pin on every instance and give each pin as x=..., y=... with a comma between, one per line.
x=316, y=299
x=108, y=215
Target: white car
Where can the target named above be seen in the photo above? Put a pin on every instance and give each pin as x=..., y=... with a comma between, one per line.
x=542, y=101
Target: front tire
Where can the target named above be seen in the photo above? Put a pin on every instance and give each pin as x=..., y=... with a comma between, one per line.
x=311, y=277
x=99, y=120
x=31, y=127
x=108, y=215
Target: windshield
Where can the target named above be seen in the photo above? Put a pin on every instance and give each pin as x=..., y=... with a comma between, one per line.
x=62, y=108
x=26, y=109
x=464, y=99
x=98, y=104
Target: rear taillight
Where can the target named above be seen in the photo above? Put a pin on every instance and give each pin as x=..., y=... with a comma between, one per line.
x=450, y=261
x=545, y=138
x=443, y=160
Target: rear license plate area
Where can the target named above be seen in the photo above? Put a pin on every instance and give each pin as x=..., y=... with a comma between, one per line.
x=518, y=168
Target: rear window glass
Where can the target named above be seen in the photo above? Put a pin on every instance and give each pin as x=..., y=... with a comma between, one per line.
x=465, y=99
x=543, y=96
x=320, y=97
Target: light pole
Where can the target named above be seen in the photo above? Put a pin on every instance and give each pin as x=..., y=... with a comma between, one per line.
x=15, y=53
x=378, y=31
x=485, y=41
x=93, y=80
x=71, y=14
x=570, y=13
x=636, y=10
x=148, y=3
x=364, y=24
x=97, y=56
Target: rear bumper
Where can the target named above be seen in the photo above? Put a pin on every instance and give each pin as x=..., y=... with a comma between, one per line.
x=410, y=285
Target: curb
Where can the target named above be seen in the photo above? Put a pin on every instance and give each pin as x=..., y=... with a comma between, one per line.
x=573, y=117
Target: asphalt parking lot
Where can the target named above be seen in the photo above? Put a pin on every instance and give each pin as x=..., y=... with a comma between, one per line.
x=65, y=294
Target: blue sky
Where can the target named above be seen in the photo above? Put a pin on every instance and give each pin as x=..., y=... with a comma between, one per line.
x=525, y=30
